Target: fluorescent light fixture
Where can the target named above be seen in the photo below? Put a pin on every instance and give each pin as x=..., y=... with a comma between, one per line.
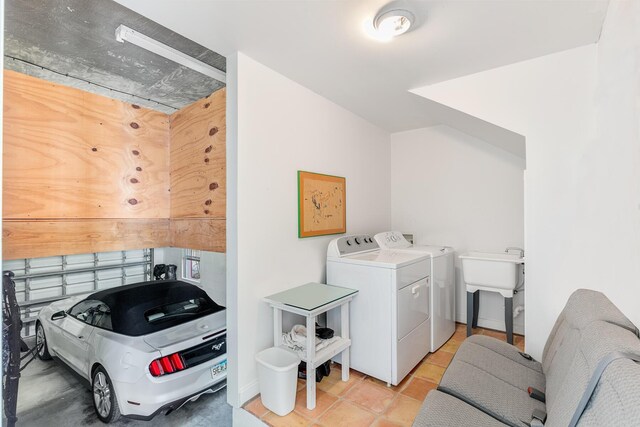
x=124, y=33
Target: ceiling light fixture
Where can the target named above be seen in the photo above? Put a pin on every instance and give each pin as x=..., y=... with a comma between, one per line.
x=124, y=33
x=392, y=23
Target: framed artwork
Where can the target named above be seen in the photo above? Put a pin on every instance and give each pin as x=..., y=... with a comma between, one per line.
x=322, y=207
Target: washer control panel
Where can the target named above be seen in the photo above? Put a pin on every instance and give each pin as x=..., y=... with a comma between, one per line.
x=392, y=240
x=349, y=245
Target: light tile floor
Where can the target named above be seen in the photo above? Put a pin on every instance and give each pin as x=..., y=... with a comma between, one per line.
x=366, y=401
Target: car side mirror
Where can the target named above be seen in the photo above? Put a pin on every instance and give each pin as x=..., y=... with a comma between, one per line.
x=58, y=315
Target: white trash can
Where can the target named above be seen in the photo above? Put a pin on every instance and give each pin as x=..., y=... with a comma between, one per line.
x=277, y=376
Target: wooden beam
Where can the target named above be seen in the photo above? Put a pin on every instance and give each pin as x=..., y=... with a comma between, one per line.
x=199, y=233
x=32, y=239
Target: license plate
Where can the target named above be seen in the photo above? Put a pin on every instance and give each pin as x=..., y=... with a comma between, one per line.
x=219, y=368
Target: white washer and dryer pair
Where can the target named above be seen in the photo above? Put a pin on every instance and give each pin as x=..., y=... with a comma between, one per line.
x=443, y=284
x=390, y=321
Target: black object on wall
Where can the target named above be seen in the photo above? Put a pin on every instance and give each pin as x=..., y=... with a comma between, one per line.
x=165, y=272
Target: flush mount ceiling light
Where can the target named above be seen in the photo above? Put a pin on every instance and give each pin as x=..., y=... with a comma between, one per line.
x=393, y=23
x=124, y=33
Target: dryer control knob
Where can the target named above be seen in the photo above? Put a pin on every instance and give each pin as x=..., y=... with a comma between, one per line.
x=357, y=241
x=348, y=243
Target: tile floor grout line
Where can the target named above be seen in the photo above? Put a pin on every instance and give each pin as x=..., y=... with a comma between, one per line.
x=357, y=405
x=338, y=399
x=317, y=419
x=369, y=410
x=390, y=403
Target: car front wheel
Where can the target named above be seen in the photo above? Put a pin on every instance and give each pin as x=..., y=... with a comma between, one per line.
x=41, y=343
x=104, y=397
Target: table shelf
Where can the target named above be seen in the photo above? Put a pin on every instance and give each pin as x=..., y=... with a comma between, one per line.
x=311, y=300
x=336, y=347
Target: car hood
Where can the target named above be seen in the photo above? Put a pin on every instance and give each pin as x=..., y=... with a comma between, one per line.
x=188, y=334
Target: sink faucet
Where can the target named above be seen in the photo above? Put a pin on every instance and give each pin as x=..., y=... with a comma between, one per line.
x=513, y=248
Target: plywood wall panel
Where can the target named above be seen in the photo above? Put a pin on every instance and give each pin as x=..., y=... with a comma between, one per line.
x=199, y=233
x=30, y=239
x=198, y=159
x=73, y=154
x=84, y=173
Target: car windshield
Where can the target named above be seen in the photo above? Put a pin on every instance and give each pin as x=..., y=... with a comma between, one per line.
x=188, y=308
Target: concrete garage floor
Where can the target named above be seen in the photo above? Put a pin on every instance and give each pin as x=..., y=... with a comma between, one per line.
x=50, y=395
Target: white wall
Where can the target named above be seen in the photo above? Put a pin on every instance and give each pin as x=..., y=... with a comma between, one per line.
x=608, y=197
x=1, y=127
x=213, y=270
x=283, y=127
x=579, y=112
x=449, y=188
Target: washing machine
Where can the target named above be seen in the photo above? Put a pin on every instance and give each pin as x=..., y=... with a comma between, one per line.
x=443, y=283
x=390, y=319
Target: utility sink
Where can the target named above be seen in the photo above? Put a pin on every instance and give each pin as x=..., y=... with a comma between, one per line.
x=492, y=271
x=483, y=271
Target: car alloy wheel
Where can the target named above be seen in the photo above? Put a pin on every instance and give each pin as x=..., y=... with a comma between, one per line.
x=41, y=343
x=102, y=395
x=104, y=399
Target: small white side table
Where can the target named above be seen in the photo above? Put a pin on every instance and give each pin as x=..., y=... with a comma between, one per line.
x=311, y=300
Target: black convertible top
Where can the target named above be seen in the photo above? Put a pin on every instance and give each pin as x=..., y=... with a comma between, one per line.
x=129, y=303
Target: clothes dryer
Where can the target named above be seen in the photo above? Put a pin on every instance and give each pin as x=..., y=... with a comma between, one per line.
x=443, y=283
x=390, y=318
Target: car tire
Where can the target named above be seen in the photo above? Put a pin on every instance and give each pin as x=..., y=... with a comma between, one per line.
x=104, y=397
x=41, y=343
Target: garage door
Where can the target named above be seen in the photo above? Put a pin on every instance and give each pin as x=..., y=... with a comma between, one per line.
x=40, y=281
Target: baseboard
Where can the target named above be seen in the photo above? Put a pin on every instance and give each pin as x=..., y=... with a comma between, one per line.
x=248, y=392
x=499, y=325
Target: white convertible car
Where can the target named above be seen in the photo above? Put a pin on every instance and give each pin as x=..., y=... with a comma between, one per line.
x=144, y=348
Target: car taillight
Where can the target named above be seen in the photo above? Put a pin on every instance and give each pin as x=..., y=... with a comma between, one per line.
x=176, y=361
x=166, y=365
x=155, y=368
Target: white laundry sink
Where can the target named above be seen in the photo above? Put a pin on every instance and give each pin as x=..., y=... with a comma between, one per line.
x=492, y=270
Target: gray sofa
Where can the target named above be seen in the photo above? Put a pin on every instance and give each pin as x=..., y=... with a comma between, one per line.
x=589, y=375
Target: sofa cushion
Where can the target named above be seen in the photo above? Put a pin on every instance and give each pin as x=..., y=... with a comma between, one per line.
x=503, y=349
x=583, y=307
x=488, y=355
x=442, y=410
x=616, y=399
x=480, y=383
x=574, y=364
